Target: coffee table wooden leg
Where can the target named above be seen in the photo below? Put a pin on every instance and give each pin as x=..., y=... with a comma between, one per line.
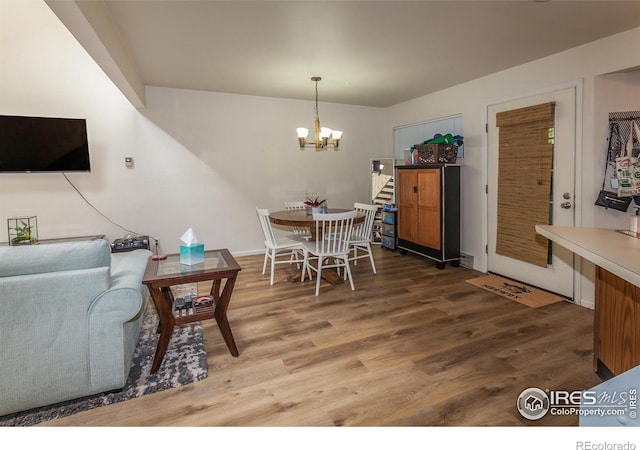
x=222, y=303
x=162, y=299
x=163, y=343
x=225, y=329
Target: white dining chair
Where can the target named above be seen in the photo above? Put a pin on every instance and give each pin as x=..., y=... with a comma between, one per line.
x=294, y=205
x=331, y=247
x=362, y=235
x=277, y=246
x=298, y=206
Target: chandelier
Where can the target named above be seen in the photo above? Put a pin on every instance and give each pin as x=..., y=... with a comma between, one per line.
x=322, y=134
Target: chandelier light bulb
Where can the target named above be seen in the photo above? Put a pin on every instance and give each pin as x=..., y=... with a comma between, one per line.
x=303, y=133
x=325, y=132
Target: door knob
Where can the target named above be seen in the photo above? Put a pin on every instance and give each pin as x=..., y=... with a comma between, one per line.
x=565, y=205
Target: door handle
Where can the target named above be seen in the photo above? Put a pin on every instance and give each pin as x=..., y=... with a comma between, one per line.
x=415, y=189
x=565, y=205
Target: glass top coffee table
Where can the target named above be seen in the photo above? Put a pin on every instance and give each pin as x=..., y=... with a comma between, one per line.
x=218, y=266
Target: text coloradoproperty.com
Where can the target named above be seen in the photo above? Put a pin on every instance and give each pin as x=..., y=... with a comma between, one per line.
x=601, y=412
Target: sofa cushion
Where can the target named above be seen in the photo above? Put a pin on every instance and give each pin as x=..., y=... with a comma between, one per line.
x=32, y=259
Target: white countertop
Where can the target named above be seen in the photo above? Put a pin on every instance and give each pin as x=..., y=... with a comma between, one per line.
x=607, y=248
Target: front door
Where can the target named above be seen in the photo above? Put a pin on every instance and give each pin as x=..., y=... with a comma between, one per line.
x=556, y=275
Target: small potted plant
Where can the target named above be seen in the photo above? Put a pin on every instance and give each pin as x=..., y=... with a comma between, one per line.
x=22, y=230
x=314, y=204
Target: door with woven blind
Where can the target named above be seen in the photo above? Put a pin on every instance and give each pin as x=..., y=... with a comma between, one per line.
x=531, y=163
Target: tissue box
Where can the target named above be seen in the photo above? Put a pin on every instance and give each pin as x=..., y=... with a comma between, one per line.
x=192, y=254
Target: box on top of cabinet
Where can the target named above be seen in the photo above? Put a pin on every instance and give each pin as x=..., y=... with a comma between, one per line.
x=437, y=153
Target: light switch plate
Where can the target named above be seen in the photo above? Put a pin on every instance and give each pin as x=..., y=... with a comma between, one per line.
x=614, y=183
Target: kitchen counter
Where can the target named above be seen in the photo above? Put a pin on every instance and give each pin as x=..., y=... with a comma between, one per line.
x=617, y=292
x=613, y=251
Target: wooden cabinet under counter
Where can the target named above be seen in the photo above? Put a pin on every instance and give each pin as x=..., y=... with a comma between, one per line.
x=617, y=292
x=617, y=322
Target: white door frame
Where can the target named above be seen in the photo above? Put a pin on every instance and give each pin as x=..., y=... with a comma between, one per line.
x=578, y=85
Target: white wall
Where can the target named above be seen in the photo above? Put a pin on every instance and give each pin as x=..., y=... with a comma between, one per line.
x=202, y=160
x=579, y=66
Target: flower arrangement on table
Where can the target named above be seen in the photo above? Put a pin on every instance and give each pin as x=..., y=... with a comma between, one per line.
x=315, y=205
x=314, y=202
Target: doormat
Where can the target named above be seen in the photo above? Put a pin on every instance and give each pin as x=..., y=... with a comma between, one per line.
x=184, y=362
x=516, y=291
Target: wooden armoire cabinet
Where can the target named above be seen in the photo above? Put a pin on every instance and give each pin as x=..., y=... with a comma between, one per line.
x=428, y=200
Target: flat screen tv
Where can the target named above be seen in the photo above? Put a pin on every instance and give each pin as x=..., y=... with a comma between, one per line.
x=43, y=144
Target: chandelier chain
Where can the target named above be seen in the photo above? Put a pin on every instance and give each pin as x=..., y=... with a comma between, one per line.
x=317, y=114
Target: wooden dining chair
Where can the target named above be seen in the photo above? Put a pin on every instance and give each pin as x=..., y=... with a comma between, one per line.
x=331, y=247
x=276, y=246
x=362, y=235
x=298, y=206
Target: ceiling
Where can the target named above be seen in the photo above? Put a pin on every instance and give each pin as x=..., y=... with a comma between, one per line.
x=372, y=53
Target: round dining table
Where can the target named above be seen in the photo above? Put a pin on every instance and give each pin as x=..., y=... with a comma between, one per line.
x=300, y=218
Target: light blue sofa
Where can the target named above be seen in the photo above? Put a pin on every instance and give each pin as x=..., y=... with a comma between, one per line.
x=70, y=317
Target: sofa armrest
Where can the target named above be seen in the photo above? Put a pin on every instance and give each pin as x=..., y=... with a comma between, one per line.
x=127, y=269
x=115, y=320
x=114, y=327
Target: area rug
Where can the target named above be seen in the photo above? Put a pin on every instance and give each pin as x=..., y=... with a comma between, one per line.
x=184, y=362
x=516, y=291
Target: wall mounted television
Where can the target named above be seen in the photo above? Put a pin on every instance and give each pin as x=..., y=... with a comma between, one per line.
x=43, y=144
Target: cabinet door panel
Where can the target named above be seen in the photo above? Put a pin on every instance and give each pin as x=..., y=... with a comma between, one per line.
x=429, y=189
x=406, y=198
x=407, y=219
x=429, y=222
x=407, y=185
x=428, y=228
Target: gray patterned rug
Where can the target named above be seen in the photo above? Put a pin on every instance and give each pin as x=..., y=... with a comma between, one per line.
x=185, y=362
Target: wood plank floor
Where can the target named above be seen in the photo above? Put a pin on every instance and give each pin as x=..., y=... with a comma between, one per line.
x=411, y=346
